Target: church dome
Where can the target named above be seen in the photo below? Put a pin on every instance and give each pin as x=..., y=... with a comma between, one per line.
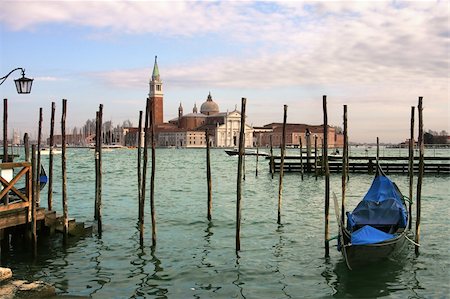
x=209, y=107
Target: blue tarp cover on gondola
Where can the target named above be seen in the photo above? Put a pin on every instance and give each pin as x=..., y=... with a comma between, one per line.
x=369, y=235
x=382, y=205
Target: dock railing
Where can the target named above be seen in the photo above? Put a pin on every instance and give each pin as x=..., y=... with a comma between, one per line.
x=361, y=164
x=22, y=196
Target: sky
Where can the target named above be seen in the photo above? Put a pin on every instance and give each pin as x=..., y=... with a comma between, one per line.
x=376, y=57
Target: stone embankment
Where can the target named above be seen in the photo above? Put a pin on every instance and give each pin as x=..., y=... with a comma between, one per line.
x=13, y=288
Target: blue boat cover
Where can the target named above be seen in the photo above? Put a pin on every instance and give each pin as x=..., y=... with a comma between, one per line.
x=369, y=235
x=382, y=205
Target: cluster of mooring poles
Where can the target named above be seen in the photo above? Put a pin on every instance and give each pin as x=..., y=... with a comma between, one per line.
x=142, y=165
x=35, y=176
x=149, y=136
x=345, y=170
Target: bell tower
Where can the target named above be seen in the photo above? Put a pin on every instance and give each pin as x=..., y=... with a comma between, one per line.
x=156, y=94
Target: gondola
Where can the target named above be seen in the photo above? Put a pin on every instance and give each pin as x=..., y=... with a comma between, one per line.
x=247, y=152
x=377, y=228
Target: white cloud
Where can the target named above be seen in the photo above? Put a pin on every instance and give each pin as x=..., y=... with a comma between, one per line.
x=372, y=54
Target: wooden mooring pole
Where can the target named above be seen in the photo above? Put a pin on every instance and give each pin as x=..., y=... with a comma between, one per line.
x=308, y=150
x=327, y=176
x=272, y=162
x=64, y=173
x=97, y=140
x=5, y=140
x=316, y=172
x=144, y=168
x=411, y=167
x=301, y=157
x=420, y=175
x=152, y=177
x=139, y=170
x=50, y=160
x=26, y=144
x=243, y=161
x=208, y=176
x=257, y=156
x=98, y=174
x=283, y=146
x=5, y=131
x=38, y=163
x=378, y=152
x=344, y=167
x=34, y=174
x=239, y=176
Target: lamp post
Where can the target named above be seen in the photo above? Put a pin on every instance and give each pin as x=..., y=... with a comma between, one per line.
x=23, y=85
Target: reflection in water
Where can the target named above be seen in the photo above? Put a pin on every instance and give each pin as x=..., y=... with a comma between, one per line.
x=204, y=263
x=148, y=282
x=237, y=282
x=102, y=277
x=329, y=275
x=370, y=282
x=278, y=253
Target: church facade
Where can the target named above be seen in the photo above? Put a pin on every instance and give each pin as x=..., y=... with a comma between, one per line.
x=189, y=130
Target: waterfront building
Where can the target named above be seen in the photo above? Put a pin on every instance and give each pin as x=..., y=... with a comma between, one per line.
x=297, y=132
x=189, y=130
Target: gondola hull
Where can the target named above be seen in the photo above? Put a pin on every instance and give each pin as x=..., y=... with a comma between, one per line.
x=246, y=153
x=361, y=255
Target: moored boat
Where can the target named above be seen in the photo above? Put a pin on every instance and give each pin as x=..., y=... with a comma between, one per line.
x=247, y=152
x=377, y=228
x=46, y=151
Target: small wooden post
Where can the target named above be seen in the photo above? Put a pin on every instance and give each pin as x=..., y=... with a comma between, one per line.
x=50, y=160
x=140, y=199
x=38, y=163
x=308, y=150
x=144, y=167
x=208, y=176
x=327, y=176
x=344, y=167
x=411, y=167
x=98, y=174
x=5, y=130
x=257, y=157
x=243, y=162
x=378, y=152
x=420, y=175
x=316, y=172
x=283, y=145
x=239, y=176
x=272, y=162
x=152, y=178
x=301, y=157
x=34, y=174
x=26, y=144
x=348, y=154
x=64, y=172
x=97, y=141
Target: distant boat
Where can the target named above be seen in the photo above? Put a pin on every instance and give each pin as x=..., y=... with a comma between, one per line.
x=46, y=151
x=377, y=228
x=247, y=152
x=109, y=147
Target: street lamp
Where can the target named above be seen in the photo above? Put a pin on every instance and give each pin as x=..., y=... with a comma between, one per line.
x=23, y=85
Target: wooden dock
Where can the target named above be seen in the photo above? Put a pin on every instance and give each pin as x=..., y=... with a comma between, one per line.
x=16, y=214
x=433, y=165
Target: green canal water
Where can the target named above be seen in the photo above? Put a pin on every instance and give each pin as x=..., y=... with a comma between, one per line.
x=195, y=258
